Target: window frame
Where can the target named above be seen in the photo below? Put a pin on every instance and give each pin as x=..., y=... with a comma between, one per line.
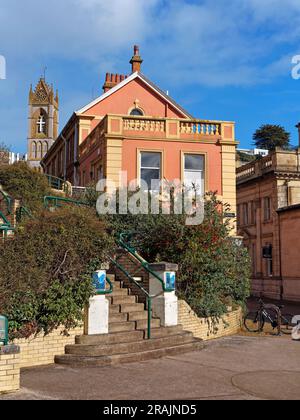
x=205, y=171
x=139, y=163
x=267, y=210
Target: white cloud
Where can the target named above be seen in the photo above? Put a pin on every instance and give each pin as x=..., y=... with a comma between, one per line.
x=208, y=42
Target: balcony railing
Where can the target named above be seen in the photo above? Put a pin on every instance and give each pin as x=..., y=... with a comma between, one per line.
x=150, y=125
x=162, y=128
x=279, y=161
x=200, y=128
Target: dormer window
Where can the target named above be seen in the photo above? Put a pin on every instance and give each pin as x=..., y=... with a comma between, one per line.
x=137, y=112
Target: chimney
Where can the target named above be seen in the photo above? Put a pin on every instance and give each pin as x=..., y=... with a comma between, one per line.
x=136, y=60
x=112, y=80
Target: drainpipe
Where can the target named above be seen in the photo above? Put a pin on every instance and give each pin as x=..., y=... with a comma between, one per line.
x=76, y=146
x=280, y=257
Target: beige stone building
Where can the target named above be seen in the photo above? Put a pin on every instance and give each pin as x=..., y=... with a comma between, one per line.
x=268, y=194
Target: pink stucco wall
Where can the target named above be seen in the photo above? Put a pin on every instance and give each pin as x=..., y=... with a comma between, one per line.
x=123, y=100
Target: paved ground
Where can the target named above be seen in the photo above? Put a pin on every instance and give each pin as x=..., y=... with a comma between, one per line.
x=235, y=368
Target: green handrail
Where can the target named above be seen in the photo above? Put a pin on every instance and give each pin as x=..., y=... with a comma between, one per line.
x=6, y=222
x=149, y=297
x=106, y=292
x=122, y=242
x=22, y=211
x=56, y=183
x=58, y=200
x=8, y=200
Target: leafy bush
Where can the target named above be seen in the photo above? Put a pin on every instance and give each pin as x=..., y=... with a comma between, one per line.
x=25, y=184
x=45, y=271
x=214, y=271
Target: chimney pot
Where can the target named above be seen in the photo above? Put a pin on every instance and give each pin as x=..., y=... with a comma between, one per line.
x=136, y=61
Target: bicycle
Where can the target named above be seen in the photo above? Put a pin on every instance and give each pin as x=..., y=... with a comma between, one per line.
x=268, y=313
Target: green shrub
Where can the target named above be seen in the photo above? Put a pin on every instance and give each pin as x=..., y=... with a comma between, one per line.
x=25, y=184
x=213, y=269
x=45, y=271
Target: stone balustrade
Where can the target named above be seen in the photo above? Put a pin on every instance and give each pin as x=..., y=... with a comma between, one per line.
x=200, y=128
x=138, y=124
x=279, y=161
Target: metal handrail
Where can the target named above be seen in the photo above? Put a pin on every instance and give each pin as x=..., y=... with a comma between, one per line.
x=47, y=199
x=56, y=183
x=106, y=292
x=6, y=222
x=8, y=200
x=148, y=296
x=21, y=211
x=142, y=261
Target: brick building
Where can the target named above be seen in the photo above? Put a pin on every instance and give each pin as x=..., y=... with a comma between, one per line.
x=267, y=192
x=136, y=127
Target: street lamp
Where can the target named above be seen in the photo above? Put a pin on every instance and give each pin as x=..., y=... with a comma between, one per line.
x=3, y=330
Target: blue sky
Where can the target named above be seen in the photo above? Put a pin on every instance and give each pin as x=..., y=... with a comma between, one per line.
x=228, y=60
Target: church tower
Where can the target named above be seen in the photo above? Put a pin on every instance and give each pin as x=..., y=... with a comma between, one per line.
x=43, y=122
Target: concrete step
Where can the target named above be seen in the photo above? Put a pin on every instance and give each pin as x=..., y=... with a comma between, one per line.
x=134, y=347
x=84, y=361
x=120, y=292
x=136, y=307
x=123, y=300
x=143, y=324
x=164, y=331
x=118, y=317
x=137, y=316
x=112, y=338
x=121, y=326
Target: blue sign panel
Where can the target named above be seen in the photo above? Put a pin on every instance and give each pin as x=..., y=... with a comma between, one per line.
x=170, y=279
x=99, y=280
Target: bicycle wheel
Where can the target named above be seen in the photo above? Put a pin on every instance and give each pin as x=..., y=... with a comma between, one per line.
x=271, y=320
x=286, y=324
x=254, y=322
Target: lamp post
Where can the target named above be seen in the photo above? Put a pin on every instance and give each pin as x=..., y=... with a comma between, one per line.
x=3, y=330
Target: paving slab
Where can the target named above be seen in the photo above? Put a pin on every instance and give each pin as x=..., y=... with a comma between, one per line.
x=233, y=368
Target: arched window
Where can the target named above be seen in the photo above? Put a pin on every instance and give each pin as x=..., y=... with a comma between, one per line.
x=40, y=150
x=137, y=112
x=45, y=148
x=34, y=150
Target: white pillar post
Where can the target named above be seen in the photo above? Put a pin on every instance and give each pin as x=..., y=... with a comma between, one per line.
x=165, y=306
x=97, y=313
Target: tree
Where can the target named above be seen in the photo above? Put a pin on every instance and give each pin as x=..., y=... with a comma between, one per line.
x=4, y=154
x=213, y=271
x=45, y=271
x=24, y=184
x=271, y=136
x=4, y=147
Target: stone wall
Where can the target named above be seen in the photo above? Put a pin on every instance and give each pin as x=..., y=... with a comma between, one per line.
x=9, y=369
x=41, y=350
x=204, y=328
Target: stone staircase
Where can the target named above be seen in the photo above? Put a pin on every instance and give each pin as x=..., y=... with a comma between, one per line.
x=127, y=339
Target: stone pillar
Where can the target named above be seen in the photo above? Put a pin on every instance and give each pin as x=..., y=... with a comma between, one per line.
x=97, y=313
x=164, y=306
x=9, y=369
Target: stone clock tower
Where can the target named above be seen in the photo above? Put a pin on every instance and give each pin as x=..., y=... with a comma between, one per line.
x=43, y=122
